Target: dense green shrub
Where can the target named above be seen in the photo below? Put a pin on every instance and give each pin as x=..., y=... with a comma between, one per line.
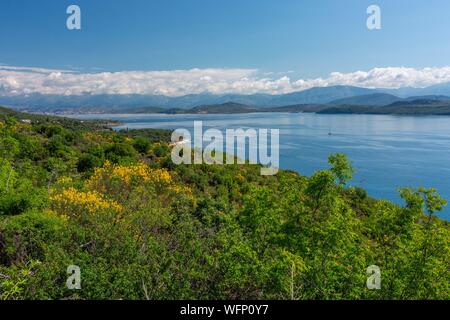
x=120, y=152
x=141, y=144
x=87, y=162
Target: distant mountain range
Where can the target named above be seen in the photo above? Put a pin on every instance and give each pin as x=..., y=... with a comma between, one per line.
x=404, y=107
x=51, y=103
x=374, y=99
x=414, y=107
x=334, y=95
x=383, y=99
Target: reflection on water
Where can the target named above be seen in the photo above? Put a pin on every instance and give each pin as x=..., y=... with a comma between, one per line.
x=388, y=152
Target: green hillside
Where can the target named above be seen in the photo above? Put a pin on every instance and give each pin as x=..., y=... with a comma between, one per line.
x=374, y=99
x=412, y=108
x=139, y=227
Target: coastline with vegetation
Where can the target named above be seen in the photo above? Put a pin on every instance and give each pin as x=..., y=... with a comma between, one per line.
x=113, y=203
x=411, y=108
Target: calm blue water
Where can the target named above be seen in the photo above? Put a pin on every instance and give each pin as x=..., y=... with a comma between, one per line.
x=387, y=152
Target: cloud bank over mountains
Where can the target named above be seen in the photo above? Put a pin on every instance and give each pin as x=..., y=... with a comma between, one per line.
x=24, y=81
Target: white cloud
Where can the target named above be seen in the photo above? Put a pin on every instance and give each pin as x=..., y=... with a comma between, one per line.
x=24, y=80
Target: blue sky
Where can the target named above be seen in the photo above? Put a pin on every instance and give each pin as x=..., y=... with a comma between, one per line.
x=308, y=38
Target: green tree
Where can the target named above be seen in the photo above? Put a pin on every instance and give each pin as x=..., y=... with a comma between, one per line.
x=341, y=167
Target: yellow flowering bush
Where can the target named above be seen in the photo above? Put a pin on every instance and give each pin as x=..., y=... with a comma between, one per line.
x=125, y=183
x=161, y=176
x=180, y=189
x=140, y=173
x=63, y=182
x=97, y=138
x=123, y=173
x=92, y=201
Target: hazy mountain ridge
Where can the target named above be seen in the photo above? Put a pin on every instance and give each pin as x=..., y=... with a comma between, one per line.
x=374, y=99
x=51, y=102
x=415, y=107
x=393, y=109
x=135, y=103
x=384, y=99
x=421, y=106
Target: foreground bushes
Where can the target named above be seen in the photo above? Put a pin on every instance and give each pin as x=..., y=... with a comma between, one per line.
x=140, y=228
